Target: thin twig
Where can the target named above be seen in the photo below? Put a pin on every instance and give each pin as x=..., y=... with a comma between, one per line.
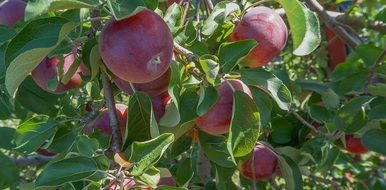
x=373, y=69
x=92, y=114
x=208, y=6
x=332, y=23
x=186, y=5
x=197, y=17
x=116, y=140
x=300, y=118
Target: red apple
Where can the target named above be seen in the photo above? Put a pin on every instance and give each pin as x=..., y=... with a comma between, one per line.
x=169, y=181
x=153, y=88
x=217, y=120
x=262, y=160
x=159, y=103
x=137, y=49
x=102, y=122
x=355, y=145
x=11, y=11
x=44, y=152
x=336, y=48
x=46, y=71
x=268, y=29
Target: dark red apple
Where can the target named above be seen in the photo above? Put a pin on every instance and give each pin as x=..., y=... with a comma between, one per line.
x=262, y=160
x=355, y=145
x=102, y=122
x=137, y=49
x=336, y=48
x=217, y=120
x=169, y=181
x=46, y=71
x=159, y=103
x=268, y=29
x=11, y=11
x=44, y=152
x=153, y=88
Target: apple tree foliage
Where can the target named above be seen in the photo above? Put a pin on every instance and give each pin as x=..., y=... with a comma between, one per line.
x=303, y=109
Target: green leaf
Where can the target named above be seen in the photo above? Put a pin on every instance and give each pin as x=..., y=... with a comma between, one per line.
x=7, y=135
x=31, y=134
x=210, y=66
x=231, y=53
x=330, y=99
x=330, y=154
x=208, y=97
x=291, y=173
x=269, y=83
x=305, y=28
x=245, y=126
x=122, y=9
x=377, y=112
x=264, y=104
x=66, y=170
x=36, y=99
x=141, y=123
x=188, y=103
x=64, y=138
x=223, y=176
x=86, y=146
x=220, y=12
x=375, y=140
x=368, y=53
x=164, y=187
x=6, y=33
x=146, y=154
x=184, y=173
x=173, y=16
x=351, y=114
x=320, y=113
x=9, y=173
x=25, y=51
x=39, y=7
x=172, y=116
x=215, y=149
x=378, y=89
x=91, y=56
x=282, y=130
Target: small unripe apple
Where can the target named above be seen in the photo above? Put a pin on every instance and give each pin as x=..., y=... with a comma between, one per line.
x=217, y=120
x=262, y=160
x=137, y=49
x=355, y=145
x=169, y=181
x=102, y=122
x=46, y=71
x=268, y=29
x=11, y=11
x=152, y=88
x=127, y=184
x=159, y=103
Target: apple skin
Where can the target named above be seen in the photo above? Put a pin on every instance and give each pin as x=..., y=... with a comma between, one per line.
x=169, y=181
x=46, y=71
x=137, y=49
x=336, y=48
x=265, y=163
x=11, y=12
x=268, y=29
x=127, y=184
x=102, y=122
x=152, y=88
x=44, y=152
x=217, y=120
x=355, y=145
x=159, y=103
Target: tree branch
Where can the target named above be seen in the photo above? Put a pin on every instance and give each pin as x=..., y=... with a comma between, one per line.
x=92, y=114
x=373, y=69
x=208, y=6
x=300, y=118
x=332, y=23
x=116, y=140
x=32, y=160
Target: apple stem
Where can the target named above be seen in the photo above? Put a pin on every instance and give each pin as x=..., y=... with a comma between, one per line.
x=253, y=5
x=109, y=98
